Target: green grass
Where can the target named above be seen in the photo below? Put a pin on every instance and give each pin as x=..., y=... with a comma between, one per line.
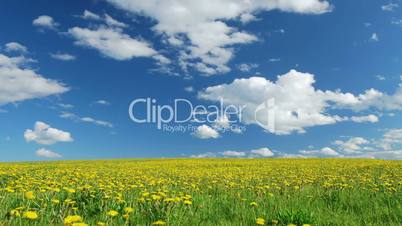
x=313, y=191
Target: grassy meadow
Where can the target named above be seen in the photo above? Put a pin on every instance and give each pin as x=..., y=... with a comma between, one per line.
x=202, y=192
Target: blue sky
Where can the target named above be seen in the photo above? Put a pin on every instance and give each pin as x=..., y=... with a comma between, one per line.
x=71, y=70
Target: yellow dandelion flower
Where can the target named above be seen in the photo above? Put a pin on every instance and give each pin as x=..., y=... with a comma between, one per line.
x=32, y=215
x=100, y=223
x=72, y=218
x=29, y=195
x=79, y=224
x=159, y=222
x=112, y=213
x=260, y=221
x=253, y=204
x=128, y=210
x=15, y=213
x=187, y=202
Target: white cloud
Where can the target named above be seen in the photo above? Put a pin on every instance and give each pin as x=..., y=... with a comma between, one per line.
x=385, y=147
x=247, y=67
x=367, y=24
x=324, y=152
x=88, y=15
x=66, y=106
x=274, y=60
x=389, y=7
x=107, y=19
x=24, y=83
x=234, y=154
x=205, y=132
x=374, y=37
x=112, y=42
x=200, y=31
x=367, y=118
x=353, y=145
x=247, y=18
x=76, y=118
x=257, y=153
x=262, y=152
x=15, y=47
x=380, y=77
x=397, y=22
x=112, y=22
x=204, y=155
x=47, y=153
x=45, y=21
x=97, y=122
x=391, y=137
x=63, y=56
x=397, y=154
x=44, y=134
x=102, y=102
x=189, y=89
x=375, y=99
x=222, y=122
x=298, y=104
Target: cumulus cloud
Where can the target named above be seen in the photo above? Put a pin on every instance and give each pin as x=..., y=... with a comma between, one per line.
x=247, y=67
x=389, y=7
x=47, y=153
x=388, y=146
x=111, y=43
x=222, y=122
x=15, y=47
x=200, y=31
x=102, y=102
x=367, y=118
x=390, y=138
x=66, y=106
x=397, y=22
x=234, y=153
x=46, y=135
x=262, y=152
x=205, y=155
x=76, y=118
x=380, y=77
x=256, y=153
x=324, y=152
x=107, y=19
x=189, y=89
x=352, y=145
x=45, y=21
x=273, y=60
x=296, y=103
x=24, y=83
x=374, y=37
x=205, y=132
x=63, y=56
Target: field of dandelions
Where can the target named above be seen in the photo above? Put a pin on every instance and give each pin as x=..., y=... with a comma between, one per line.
x=202, y=192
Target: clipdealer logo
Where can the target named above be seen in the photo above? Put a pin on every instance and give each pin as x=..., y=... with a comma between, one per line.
x=148, y=110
